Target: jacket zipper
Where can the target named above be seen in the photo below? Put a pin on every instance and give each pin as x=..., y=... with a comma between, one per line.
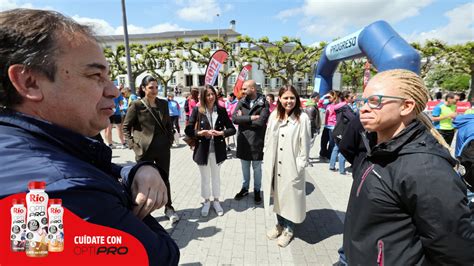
x=380, y=257
x=364, y=176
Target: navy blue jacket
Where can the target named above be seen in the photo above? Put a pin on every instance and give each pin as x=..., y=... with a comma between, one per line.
x=78, y=170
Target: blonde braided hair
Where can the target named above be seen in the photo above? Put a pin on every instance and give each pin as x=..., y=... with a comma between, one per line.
x=412, y=87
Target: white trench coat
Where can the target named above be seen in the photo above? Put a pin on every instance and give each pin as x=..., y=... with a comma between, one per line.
x=285, y=157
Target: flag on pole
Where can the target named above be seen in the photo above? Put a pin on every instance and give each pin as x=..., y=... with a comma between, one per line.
x=366, y=74
x=240, y=80
x=215, y=63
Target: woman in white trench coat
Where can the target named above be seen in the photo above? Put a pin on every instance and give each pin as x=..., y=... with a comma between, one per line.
x=287, y=144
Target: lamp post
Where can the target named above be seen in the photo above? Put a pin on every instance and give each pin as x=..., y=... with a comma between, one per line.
x=218, y=25
x=131, y=83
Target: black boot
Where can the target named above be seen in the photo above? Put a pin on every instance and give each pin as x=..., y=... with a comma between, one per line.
x=244, y=192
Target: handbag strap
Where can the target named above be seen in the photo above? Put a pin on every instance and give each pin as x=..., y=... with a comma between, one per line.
x=160, y=122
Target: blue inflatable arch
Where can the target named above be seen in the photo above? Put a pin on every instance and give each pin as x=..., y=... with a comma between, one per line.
x=379, y=42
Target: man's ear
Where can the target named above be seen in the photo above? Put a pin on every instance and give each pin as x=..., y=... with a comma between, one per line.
x=26, y=82
x=407, y=107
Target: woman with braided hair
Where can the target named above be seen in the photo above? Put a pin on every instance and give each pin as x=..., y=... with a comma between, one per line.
x=407, y=204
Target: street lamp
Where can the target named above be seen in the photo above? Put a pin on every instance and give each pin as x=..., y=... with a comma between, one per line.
x=218, y=25
x=131, y=83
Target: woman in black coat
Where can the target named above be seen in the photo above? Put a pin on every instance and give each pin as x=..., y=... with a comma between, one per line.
x=211, y=125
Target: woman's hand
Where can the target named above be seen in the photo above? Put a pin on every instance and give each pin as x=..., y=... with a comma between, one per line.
x=205, y=133
x=217, y=133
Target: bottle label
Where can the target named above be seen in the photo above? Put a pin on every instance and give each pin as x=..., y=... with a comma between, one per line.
x=37, y=224
x=55, y=229
x=18, y=228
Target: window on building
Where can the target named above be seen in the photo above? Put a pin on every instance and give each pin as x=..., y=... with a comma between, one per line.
x=173, y=80
x=231, y=63
x=200, y=45
x=202, y=79
x=213, y=46
x=278, y=82
x=232, y=79
x=234, y=46
x=266, y=83
x=160, y=49
x=172, y=65
x=189, y=80
x=121, y=80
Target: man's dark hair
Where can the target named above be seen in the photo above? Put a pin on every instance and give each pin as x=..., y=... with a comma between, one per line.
x=29, y=38
x=462, y=96
x=439, y=95
x=450, y=95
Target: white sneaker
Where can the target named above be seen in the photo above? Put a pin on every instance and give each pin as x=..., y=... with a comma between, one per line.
x=275, y=232
x=172, y=215
x=205, y=208
x=218, y=208
x=285, y=238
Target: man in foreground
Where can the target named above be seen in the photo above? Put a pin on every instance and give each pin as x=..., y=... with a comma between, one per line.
x=55, y=95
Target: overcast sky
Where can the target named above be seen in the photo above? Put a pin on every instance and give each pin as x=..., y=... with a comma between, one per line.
x=311, y=20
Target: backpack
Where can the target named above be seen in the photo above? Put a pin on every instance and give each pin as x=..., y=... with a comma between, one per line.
x=186, y=106
x=343, y=116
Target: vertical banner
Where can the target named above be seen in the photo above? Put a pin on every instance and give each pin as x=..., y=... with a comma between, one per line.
x=366, y=74
x=215, y=63
x=244, y=73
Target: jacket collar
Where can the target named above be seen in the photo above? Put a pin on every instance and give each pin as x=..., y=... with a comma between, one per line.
x=259, y=101
x=86, y=149
x=413, y=139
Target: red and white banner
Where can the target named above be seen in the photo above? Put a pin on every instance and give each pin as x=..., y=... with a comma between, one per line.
x=215, y=63
x=366, y=74
x=244, y=73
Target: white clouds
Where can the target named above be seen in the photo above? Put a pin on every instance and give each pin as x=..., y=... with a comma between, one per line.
x=102, y=27
x=459, y=29
x=154, y=29
x=200, y=11
x=336, y=18
x=10, y=4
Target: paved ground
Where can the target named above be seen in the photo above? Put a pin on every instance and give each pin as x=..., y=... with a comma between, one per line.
x=239, y=236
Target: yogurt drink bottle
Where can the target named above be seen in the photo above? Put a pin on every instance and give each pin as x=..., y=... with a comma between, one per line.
x=18, y=228
x=37, y=221
x=55, y=229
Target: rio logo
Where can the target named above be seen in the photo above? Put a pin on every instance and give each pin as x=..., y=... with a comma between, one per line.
x=36, y=198
x=55, y=210
x=18, y=210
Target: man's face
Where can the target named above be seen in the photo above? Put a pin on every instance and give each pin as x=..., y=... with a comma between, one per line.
x=452, y=101
x=81, y=96
x=249, y=90
x=387, y=115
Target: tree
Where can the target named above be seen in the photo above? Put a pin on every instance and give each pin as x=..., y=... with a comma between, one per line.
x=161, y=59
x=433, y=52
x=461, y=60
x=285, y=59
x=195, y=51
x=118, y=64
x=352, y=73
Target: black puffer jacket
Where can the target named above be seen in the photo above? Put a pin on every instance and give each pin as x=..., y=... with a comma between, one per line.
x=407, y=204
x=251, y=137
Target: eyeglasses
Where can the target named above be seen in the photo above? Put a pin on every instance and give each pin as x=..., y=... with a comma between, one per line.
x=374, y=101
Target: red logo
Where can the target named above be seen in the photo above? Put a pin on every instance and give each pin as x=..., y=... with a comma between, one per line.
x=18, y=210
x=36, y=198
x=55, y=210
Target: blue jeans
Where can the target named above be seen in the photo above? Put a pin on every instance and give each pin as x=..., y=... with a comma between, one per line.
x=337, y=155
x=257, y=174
x=287, y=224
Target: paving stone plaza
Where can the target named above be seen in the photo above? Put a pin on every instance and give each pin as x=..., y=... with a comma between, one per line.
x=239, y=236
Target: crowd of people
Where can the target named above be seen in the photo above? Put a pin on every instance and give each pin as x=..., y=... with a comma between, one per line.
x=408, y=204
